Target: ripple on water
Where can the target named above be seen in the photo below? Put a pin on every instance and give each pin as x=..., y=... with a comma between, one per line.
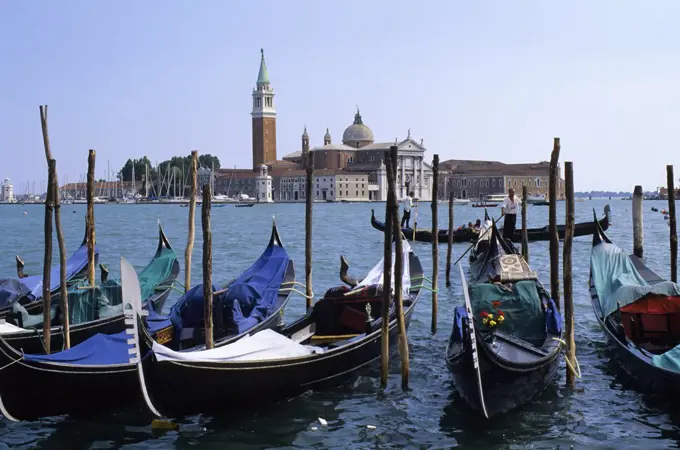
x=604, y=411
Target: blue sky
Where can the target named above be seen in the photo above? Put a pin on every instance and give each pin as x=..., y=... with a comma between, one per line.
x=480, y=80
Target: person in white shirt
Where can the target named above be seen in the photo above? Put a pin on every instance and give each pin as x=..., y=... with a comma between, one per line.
x=407, y=204
x=509, y=209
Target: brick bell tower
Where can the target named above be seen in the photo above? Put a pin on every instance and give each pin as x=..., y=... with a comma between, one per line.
x=264, y=119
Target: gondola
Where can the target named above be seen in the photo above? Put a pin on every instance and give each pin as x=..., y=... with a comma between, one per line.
x=509, y=352
x=245, y=205
x=337, y=336
x=100, y=374
x=535, y=234
x=99, y=310
x=26, y=290
x=640, y=314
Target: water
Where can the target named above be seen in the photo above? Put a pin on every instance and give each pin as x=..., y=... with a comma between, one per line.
x=604, y=411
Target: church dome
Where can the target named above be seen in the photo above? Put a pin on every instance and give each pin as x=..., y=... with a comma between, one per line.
x=357, y=135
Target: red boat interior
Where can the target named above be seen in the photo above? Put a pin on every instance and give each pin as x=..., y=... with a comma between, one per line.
x=653, y=322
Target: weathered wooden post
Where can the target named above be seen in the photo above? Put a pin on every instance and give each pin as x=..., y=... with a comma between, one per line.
x=63, y=291
x=638, y=230
x=435, y=239
x=91, y=234
x=193, y=188
x=47, y=262
x=674, y=233
x=387, y=277
x=552, y=224
x=207, y=267
x=309, y=201
x=566, y=271
x=398, y=274
x=525, y=233
x=449, y=244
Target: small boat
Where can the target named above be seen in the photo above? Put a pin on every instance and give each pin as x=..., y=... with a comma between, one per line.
x=103, y=372
x=484, y=205
x=340, y=334
x=505, y=344
x=26, y=290
x=534, y=234
x=542, y=203
x=639, y=313
x=655, y=209
x=98, y=310
x=244, y=205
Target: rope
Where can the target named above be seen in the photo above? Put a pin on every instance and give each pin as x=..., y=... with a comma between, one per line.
x=423, y=278
x=422, y=286
x=298, y=292
x=576, y=371
x=13, y=362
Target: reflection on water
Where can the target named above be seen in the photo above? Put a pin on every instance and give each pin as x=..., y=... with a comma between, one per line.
x=604, y=411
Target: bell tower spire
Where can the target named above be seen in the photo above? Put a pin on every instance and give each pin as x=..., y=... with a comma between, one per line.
x=264, y=118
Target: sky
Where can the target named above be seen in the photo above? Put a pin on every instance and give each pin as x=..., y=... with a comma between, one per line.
x=490, y=80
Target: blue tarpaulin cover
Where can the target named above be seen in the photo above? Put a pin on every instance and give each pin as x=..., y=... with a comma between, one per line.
x=99, y=350
x=618, y=283
x=32, y=286
x=247, y=301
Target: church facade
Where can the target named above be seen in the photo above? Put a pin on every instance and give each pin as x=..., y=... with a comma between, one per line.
x=352, y=171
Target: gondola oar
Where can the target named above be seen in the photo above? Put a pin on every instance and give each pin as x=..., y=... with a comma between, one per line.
x=473, y=339
x=475, y=243
x=415, y=221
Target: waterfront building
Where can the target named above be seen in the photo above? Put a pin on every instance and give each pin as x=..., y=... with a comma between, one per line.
x=350, y=171
x=472, y=179
x=7, y=192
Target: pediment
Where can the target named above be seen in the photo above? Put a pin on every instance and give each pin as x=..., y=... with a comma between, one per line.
x=409, y=145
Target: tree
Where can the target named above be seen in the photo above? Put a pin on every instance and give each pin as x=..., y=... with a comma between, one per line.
x=140, y=166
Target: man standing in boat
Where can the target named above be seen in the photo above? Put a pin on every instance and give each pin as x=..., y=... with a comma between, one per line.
x=509, y=210
x=408, y=203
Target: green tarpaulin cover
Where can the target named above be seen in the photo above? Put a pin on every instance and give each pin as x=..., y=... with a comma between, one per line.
x=617, y=282
x=524, y=316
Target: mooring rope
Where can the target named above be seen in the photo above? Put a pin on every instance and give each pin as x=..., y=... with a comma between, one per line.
x=576, y=371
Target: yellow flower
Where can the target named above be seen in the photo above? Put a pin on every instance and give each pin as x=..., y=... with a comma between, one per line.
x=492, y=323
x=490, y=316
x=485, y=320
x=501, y=319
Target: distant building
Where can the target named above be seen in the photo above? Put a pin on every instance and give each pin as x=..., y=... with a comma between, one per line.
x=474, y=179
x=7, y=192
x=351, y=171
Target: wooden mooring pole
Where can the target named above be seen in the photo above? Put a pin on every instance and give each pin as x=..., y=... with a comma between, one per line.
x=309, y=202
x=525, y=233
x=435, y=239
x=566, y=271
x=398, y=274
x=552, y=224
x=638, y=230
x=47, y=262
x=207, y=267
x=63, y=291
x=449, y=244
x=89, y=222
x=193, y=188
x=387, y=277
x=672, y=223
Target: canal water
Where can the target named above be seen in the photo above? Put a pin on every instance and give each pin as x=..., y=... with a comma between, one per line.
x=603, y=411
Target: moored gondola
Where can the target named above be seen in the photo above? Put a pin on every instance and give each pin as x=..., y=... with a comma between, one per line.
x=337, y=336
x=640, y=314
x=27, y=290
x=504, y=347
x=534, y=234
x=97, y=375
x=97, y=310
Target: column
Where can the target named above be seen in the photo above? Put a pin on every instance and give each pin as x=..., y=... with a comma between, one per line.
x=403, y=177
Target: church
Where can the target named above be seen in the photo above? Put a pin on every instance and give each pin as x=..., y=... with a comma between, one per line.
x=352, y=171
